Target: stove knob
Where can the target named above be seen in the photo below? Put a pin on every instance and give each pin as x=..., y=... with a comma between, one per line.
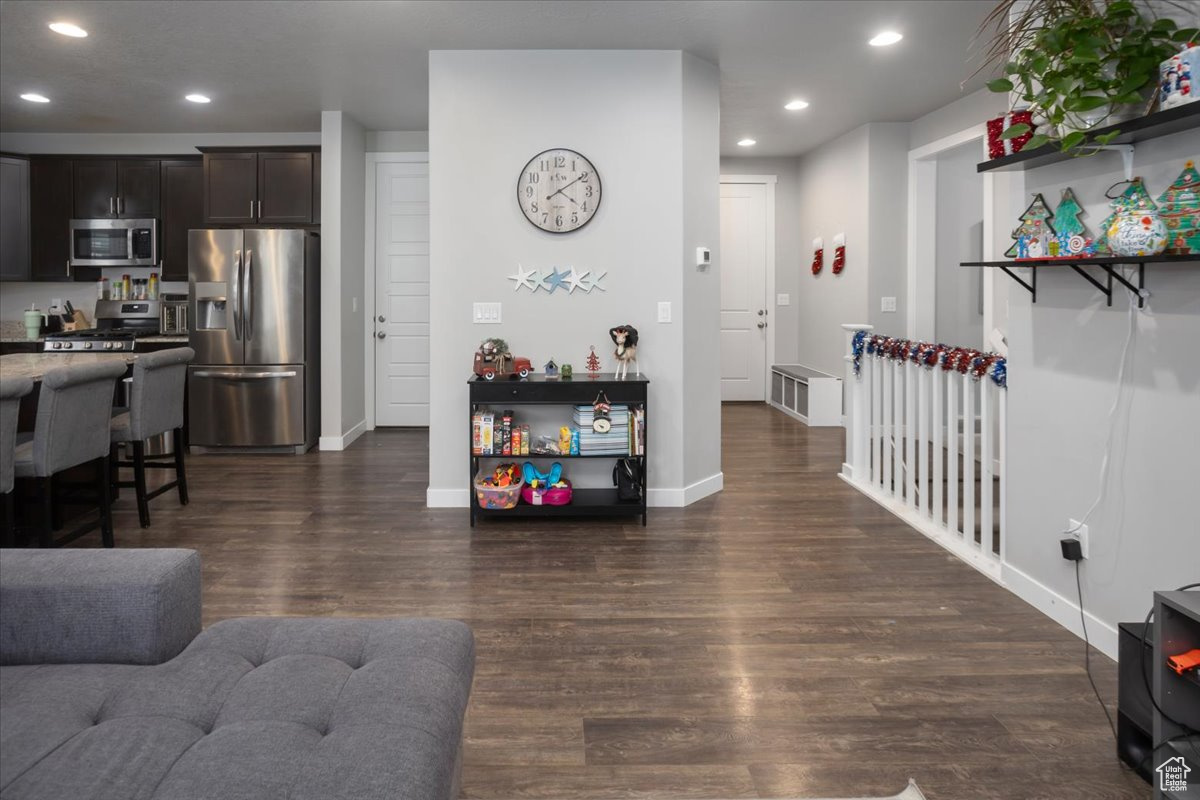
x=58, y=345
x=87, y=345
x=108, y=345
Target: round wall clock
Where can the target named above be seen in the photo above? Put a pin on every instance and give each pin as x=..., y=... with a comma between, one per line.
x=559, y=190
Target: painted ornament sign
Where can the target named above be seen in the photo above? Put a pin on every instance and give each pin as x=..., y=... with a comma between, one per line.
x=568, y=280
x=1138, y=230
x=1179, y=206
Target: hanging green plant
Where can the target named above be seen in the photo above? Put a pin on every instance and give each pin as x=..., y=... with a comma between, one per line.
x=1078, y=64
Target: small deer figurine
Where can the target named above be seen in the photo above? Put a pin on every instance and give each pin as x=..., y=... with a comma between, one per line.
x=625, y=337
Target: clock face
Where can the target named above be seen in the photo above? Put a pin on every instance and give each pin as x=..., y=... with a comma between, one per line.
x=559, y=190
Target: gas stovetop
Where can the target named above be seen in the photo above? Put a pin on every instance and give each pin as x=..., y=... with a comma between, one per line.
x=95, y=339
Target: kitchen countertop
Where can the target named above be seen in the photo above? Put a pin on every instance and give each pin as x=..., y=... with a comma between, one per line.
x=35, y=365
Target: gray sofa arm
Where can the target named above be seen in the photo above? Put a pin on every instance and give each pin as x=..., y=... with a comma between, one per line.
x=97, y=606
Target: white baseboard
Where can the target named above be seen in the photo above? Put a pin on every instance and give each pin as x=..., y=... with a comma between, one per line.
x=345, y=440
x=685, y=496
x=660, y=498
x=447, y=498
x=1063, y=610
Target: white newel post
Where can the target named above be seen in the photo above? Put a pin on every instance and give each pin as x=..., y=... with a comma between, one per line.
x=857, y=463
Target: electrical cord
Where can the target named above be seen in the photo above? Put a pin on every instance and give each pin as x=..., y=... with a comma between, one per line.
x=1087, y=655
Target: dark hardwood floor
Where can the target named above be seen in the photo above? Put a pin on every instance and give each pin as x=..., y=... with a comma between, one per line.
x=785, y=638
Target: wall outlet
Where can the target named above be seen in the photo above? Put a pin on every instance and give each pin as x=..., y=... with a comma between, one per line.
x=486, y=314
x=783, y=299
x=664, y=311
x=887, y=304
x=1080, y=535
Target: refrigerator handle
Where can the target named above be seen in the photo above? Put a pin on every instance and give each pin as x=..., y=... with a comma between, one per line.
x=237, y=294
x=248, y=296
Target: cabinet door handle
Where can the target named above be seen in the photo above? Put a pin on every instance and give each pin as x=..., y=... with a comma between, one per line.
x=112, y=206
x=120, y=205
x=68, y=267
x=260, y=209
x=251, y=209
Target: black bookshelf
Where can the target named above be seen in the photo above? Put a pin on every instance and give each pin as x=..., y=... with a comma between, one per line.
x=1151, y=126
x=536, y=390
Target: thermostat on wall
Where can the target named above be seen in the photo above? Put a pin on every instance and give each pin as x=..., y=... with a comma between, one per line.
x=703, y=257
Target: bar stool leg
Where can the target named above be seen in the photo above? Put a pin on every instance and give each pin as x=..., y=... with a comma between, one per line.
x=139, y=479
x=180, y=474
x=103, y=483
x=114, y=472
x=56, y=518
x=9, y=536
x=45, y=536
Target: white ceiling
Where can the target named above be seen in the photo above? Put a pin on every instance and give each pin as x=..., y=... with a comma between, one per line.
x=272, y=66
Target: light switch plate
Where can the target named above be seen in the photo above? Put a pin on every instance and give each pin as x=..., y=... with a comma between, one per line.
x=887, y=304
x=486, y=314
x=664, y=311
x=783, y=299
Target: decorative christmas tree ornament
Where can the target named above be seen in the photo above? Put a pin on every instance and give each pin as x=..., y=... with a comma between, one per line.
x=839, y=253
x=1033, y=234
x=999, y=146
x=1134, y=191
x=592, y=363
x=1180, y=210
x=1138, y=230
x=1072, y=238
x=818, y=255
x=1175, y=84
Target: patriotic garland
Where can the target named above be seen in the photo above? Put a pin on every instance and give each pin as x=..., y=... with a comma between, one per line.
x=963, y=360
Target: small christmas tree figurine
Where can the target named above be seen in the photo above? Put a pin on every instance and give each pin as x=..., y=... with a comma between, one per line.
x=1033, y=234
x=1073, y=237
x=1134, y=193
x=593, y=363
x=1179, y=206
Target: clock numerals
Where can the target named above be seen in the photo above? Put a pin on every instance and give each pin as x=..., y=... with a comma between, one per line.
x=568, y=197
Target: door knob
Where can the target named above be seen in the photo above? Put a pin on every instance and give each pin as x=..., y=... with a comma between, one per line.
x=762, y=325
x=381, y=318
x=381, y=335
x=761, y=312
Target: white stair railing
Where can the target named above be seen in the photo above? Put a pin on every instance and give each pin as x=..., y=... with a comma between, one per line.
x=925, y=438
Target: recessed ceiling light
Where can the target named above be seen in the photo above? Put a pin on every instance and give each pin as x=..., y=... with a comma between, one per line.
x=68, y=29
x=34, y=97
x=885, y=38
x=746, y=142
x=796, y=105
x=197, y=98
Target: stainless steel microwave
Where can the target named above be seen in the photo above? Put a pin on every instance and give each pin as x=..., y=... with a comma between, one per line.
x=114, y=242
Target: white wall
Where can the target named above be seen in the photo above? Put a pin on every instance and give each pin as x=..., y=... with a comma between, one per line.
x=790, y=264
x=967, y=111
x=887, y=226
x=832, y=181
x=628, y=116
x=397, y=141
x=958, y=316
x=1063, y=365
x=343, y=188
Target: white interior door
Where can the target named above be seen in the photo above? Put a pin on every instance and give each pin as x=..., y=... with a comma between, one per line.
x=744, y=310
x=401, y=293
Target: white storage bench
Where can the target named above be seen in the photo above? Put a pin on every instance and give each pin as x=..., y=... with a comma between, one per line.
x=814, y=398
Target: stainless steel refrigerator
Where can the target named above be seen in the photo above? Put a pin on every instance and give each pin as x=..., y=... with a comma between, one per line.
x=253, y=306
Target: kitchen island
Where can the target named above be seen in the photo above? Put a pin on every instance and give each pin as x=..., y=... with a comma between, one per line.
x=35, y=365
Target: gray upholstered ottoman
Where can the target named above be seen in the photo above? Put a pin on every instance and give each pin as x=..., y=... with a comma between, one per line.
x=252, y=708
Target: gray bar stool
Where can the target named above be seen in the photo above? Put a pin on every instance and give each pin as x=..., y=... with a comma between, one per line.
x=72, y=428
x=11, y=392
x=155, y=407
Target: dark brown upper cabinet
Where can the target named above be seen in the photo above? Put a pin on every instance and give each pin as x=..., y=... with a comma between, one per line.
x=316, y=189
x=115, y=188
x=14, y=219
x=50, y=219
x=265, y=187
x=230, y=187
x=182, y=210
x=285, y=192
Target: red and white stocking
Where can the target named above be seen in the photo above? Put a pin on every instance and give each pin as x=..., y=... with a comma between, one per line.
x=839, y=253
x=818, y=255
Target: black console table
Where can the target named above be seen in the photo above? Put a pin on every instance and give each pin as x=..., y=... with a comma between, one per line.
x=501, y=393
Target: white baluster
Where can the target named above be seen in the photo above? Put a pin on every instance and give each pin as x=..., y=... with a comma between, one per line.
x=872, y=364
x=922, y=376
x=887, y=372
x=1002, y=445
x=952, y=445
x=910, y=432
x=898, y=430
x=937, y=397
x=985, y=466
x=968, y=485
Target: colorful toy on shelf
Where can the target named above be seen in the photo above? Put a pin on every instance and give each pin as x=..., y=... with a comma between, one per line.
x=1031, y=237
x=493, y=358
x=1072, y=239
x=625, y=337
x=551, y=370
x=1175, y=84
x=593, y=363
x=566, y=371
x=564, y=440
x=501, y=489
x=1179, y=206
x=545, y=488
